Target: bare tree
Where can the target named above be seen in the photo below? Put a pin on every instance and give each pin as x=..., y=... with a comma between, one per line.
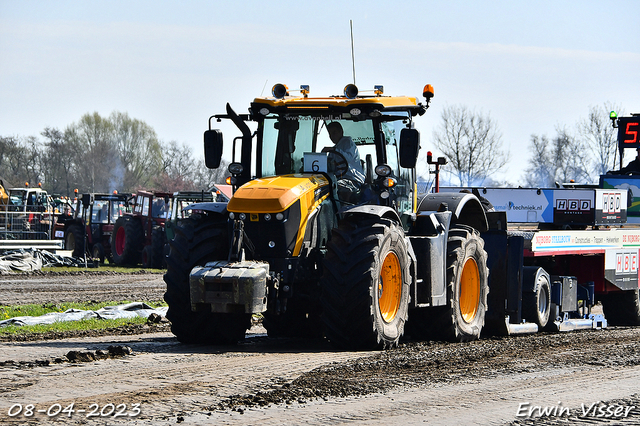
x=177, y=168
x=472, y=144
x=9, y=163
x=571, y=158
x=601, y=138
x=559, y=160
x=139, y=159
x=207, y=178
x=59, y=165
x=92, y=141
x=541, y=172
x=22, y=160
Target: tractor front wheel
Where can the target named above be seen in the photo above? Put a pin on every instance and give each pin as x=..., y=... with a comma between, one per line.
x=365, y=296
x=74, y=241
x=126, y=241
x=198, y=240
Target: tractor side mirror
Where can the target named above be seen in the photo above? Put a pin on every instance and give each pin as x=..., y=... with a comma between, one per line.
x=86, y=199
x=212, y=148
x=409, y=147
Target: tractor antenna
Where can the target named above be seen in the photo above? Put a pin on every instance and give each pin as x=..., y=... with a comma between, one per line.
x=353, y=60
x=265, y=85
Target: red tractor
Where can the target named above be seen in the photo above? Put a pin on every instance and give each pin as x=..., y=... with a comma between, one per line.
x=139, y=236
x=89, y=228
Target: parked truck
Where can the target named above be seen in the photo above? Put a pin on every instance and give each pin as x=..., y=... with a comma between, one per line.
x=363, y=263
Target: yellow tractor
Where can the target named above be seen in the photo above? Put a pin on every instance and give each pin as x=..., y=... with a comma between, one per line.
x=323, y=242
x=4, y=196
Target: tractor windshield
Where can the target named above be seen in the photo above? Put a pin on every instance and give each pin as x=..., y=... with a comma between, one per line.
x=100, y=211
x=286, y=139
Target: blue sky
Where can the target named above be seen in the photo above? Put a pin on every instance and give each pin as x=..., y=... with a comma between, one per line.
x=531, y=66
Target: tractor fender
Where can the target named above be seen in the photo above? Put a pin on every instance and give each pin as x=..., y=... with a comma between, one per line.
x=466, y=208
x=214, y=207
x=372, y=210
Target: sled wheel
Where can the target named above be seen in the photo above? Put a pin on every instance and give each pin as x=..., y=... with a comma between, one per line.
x=536, y=296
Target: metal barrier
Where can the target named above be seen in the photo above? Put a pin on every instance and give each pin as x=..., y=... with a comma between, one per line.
x=25, y=229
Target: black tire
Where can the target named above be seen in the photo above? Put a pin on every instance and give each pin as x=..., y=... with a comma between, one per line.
x=365, y=294
x=127, y=241
x=536, y=296
x=622, y=308
x=158, y=241
x=97, y=253
x=462, y=319
x=147, y=257
x=199, y=239
x=74, y=240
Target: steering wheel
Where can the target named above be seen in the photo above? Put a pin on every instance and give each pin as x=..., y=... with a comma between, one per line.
x=338, y=163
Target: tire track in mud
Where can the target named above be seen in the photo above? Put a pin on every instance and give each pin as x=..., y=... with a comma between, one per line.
x=286, y=381
x=164, y=376
x=41, y=288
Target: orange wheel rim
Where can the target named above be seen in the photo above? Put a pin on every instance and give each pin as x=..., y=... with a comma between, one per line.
x=390, y=287
x=469, y=290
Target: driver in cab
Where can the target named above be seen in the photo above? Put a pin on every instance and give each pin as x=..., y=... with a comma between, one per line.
x=345, y=146
x=349, y=182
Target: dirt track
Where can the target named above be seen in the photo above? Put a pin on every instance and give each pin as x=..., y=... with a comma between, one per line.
x=273, y=382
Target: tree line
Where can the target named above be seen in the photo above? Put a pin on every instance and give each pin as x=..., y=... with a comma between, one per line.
x=472, y=143
x=104, y=154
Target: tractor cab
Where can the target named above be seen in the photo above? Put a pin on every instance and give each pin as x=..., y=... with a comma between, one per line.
x=293, y=138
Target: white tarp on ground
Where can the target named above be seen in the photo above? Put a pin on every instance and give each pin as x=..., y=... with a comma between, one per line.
x=25, y=260
x=129, y=310
x=20, y=261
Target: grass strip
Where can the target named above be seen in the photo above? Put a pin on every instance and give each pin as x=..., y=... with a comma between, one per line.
x=7, y=312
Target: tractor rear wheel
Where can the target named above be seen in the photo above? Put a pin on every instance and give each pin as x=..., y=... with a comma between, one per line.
x=622, y=308
x=126, y=241
x=467, y=276
x=199, y=239
x=74, y=240
x=365, y=294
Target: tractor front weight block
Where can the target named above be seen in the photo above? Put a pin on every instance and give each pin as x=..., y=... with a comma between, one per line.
x=230, y=287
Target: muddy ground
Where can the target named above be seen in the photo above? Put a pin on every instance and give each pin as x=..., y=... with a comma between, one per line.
x=588, y=377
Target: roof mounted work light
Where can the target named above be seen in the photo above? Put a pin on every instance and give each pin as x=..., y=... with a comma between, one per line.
x=279, y=91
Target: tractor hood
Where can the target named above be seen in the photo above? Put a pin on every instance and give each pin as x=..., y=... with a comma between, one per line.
x=276, y=194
